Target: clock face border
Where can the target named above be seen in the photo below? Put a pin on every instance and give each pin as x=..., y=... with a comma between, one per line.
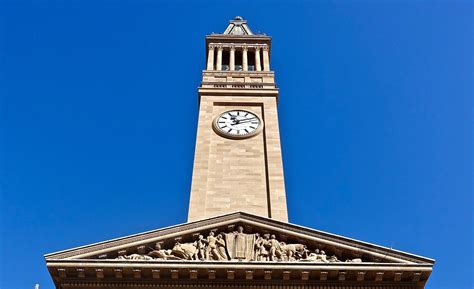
x=221, y=133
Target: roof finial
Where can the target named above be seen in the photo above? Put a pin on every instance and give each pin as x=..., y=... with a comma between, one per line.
x=238, y=18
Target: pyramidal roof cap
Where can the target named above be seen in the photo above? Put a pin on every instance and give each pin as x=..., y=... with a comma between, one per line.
x=238, y=26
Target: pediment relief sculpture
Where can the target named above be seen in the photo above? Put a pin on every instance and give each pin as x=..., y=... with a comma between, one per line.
x=236, y=245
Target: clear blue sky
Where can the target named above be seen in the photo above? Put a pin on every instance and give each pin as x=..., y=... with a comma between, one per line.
x=99, y=107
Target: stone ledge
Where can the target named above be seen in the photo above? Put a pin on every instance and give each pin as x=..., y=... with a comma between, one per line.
x=239, y=271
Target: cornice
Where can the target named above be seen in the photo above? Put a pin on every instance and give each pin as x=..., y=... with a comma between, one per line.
x=250, y=272
x=239, y=73
x=242, y=265
x=255, y=37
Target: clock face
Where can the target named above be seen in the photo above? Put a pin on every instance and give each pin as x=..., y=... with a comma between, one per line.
x=237, y=124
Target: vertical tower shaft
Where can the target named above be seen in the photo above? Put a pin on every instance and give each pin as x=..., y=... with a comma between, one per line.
x=245, y=173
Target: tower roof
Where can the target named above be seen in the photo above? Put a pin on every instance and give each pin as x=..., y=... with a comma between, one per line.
x=238, y=26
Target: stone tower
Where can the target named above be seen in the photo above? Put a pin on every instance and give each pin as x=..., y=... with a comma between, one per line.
x=238, y=169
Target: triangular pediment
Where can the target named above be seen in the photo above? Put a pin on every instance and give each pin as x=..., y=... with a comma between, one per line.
x=236, y=246
x=238, y=237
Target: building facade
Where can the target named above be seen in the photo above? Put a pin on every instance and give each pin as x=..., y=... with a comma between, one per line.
x=237, y=234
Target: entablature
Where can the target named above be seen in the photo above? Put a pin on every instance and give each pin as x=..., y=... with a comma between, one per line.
x=278, y=273
x=260, y=38
x=242, y=45
x=238, y=79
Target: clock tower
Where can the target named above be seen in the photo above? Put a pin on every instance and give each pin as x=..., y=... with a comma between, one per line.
x=237, y=162
x=237, y=235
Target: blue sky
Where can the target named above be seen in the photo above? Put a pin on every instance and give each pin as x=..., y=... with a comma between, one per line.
x=99, y=107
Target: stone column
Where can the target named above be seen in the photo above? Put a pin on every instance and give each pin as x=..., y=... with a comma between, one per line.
x=232, y=58
x=210, y=58
x=266, y=59
x=245, y=65
x=258, y=67
x=219, y=58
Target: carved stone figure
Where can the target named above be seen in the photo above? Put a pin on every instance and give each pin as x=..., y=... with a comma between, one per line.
x=135, y=257
x=161, y=254
x=318, y=256
x=274, y=251
x=333, y=259
x=200, y=245
x=220, y=242
x=240, y=246
x=185, y=251
x=292, y=251
x=323, y=257
x=265, y=253
x=356, y=260
x=261, y=254
x=212, y=250
x=312, y=256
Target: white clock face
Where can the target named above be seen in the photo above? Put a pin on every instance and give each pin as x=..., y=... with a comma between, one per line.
x=237, y=124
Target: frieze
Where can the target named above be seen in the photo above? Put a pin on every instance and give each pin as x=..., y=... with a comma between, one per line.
x=236, y=246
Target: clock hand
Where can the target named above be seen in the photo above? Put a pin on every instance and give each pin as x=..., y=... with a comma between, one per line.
x=246, y=120
x=238, y=121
